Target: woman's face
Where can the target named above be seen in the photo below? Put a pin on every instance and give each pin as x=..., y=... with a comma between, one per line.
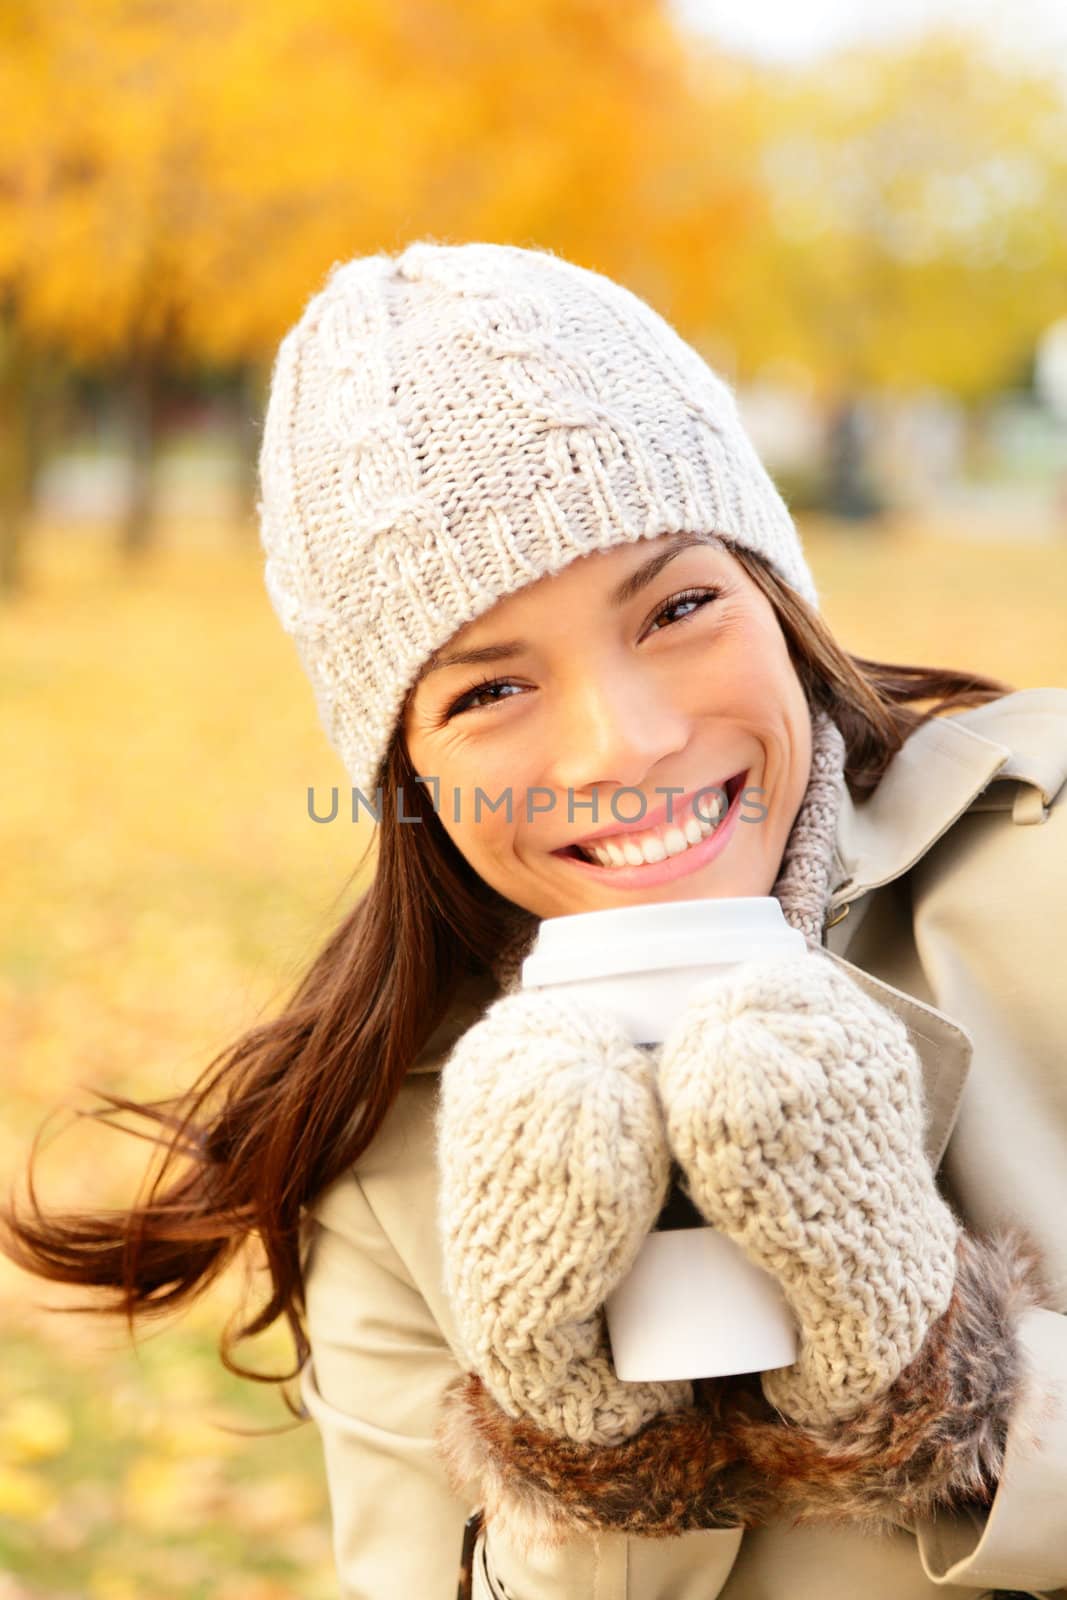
x=656, y=668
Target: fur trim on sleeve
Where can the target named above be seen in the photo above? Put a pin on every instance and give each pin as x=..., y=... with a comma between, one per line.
x=682, y=1470
x=935, y=1439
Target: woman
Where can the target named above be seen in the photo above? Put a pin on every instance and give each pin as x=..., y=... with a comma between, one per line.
x=532, y=566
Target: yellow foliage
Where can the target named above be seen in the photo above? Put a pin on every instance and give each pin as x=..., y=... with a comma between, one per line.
x=273, y=1504
x=917, y=194
x=185, y=1435
x=181, y=178
x=245, y=1588
x=24, y=1497
x=184, y=176
x=107, y=1582
x=176, y=1494
x=33, y=1428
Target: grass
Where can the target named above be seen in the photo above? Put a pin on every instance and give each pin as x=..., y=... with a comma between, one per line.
x=164, y=887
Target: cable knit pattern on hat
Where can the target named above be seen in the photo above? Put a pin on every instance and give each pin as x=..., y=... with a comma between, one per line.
x=453, y=422
x=553, y=1167
x=794, y=1105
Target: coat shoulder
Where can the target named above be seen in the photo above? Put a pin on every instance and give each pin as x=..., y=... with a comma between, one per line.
x=1031, y=726
x=1008, y=755
x=1008, y=846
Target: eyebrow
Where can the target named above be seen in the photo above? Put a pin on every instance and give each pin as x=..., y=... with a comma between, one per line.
x=621, y=595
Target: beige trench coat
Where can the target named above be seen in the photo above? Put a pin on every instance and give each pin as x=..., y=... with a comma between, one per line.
x=950, y=905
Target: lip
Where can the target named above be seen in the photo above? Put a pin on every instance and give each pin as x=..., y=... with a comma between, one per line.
x=654, y=819
x=679, y=866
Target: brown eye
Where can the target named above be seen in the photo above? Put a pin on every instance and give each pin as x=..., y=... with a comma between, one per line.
x=468, y=700
x=687, y=596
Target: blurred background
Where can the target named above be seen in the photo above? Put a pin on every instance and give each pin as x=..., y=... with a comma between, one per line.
x=859, y=220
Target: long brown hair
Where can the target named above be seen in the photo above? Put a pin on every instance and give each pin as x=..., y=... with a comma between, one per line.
x=296, y=1100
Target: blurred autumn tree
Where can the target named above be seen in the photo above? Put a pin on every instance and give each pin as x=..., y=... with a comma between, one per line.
x=181, y=176
x=177, y=177
x=918, y=196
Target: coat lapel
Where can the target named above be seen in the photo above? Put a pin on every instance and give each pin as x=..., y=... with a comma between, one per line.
x=942, y=768
x=929, y=783
x=939, y=774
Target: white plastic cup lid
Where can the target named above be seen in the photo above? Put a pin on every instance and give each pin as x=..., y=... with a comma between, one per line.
x=646, y=938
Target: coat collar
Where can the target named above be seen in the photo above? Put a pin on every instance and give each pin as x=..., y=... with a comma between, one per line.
x=938, y=772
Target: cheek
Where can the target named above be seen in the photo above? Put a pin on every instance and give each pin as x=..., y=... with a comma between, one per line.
x=480, y=835
x=770, y=679
x=475, y=774
x=795, y=738
x=769, y=700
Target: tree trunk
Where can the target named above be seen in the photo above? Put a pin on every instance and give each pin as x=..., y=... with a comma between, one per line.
x=19, y=453
x=850, y=492
x=979, y=451
x=144, y=398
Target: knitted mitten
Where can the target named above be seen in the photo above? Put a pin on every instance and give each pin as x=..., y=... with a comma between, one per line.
x=794, y=1106
x=554, y=1166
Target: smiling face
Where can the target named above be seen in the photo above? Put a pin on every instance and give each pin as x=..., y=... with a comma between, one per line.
x=657, y=667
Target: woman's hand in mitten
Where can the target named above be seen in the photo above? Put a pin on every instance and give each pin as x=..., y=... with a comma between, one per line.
x=794, y=1106
x=553, y=1168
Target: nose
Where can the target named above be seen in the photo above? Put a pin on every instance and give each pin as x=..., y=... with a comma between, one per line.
x=613, y=727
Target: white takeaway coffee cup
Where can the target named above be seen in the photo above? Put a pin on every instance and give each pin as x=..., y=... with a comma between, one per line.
x=692, y=1305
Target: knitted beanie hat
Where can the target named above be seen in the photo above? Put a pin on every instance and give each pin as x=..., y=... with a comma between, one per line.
x=451, y=423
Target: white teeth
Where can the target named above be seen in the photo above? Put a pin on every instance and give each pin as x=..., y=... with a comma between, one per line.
x=654, y=847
